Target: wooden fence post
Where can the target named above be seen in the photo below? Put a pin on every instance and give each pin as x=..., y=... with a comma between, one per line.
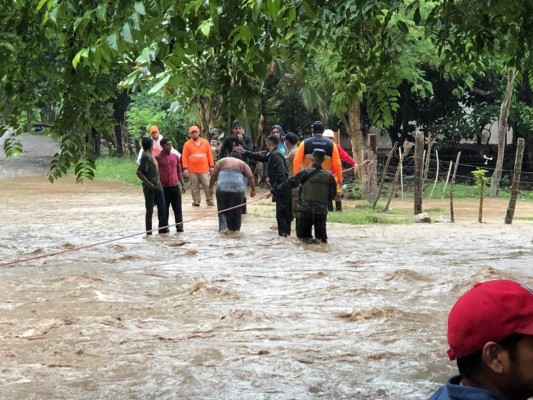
x=371, y=173
x=406, y=149
x=516, y=180
x=419, y=172
x=436, y=174
x=384, y=174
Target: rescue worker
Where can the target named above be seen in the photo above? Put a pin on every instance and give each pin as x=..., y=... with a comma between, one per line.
x=304, y=155
x=318, y=189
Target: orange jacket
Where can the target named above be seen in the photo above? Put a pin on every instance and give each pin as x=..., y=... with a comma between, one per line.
x=304, y=156
x=197, y=158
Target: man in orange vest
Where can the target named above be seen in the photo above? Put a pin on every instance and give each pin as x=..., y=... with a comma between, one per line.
x=198, y=163
x=304, y=155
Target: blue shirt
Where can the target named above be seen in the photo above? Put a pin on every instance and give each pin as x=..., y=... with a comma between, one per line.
x=453, y=390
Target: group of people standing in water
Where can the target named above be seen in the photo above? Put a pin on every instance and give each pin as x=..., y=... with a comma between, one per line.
x=304, y=178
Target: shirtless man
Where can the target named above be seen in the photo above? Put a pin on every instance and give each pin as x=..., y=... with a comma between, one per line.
x=229, y=174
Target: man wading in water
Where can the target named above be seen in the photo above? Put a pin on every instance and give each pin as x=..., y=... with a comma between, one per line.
x=229, y=174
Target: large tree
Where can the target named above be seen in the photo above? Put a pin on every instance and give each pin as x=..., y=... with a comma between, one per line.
x=470, y=30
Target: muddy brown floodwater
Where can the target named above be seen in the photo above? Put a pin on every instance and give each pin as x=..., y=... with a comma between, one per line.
x=198, y=315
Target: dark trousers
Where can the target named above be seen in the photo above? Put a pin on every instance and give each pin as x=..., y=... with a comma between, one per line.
x=154, y=197
x=284, y=215
x=173, y=197
x=306, y=221
x=230, y=219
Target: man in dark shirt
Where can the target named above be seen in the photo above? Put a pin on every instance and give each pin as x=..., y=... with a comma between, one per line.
x=238, y=139
x=148, y=173
x=277, y=173
x=318, y=189
x=170, y=176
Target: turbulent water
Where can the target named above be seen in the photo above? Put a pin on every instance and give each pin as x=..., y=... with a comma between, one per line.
x=207, y=316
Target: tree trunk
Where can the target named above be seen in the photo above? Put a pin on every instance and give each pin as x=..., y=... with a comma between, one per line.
x=502, y=134
x=353, y=126
x=120, y=106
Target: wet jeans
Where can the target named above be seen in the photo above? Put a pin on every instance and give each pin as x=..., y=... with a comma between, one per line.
x=154, y=197
x=230, y=219
x=173, y=198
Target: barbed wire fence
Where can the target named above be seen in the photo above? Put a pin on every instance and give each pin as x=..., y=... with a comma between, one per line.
x=439, y=175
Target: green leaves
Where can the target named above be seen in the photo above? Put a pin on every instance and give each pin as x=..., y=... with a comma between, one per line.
x=12, y=147
x=205, y=27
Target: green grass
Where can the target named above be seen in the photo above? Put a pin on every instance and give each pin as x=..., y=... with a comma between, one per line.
x=123, y=169
x=366, y=217
x=435, y=209
x=524, y=218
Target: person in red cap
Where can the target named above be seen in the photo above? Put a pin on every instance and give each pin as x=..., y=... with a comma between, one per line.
x=490, y=333
x=198, y=163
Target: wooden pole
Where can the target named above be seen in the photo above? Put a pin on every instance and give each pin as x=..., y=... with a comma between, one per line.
x=456, y=166
x=401, y=171
x=384, y=174
x=447, y=179
x=452, y=212
x=406, y=149
x=516, y=180
x=370, y=187
x=482, y=186
x=419, y=172
x=436, y=174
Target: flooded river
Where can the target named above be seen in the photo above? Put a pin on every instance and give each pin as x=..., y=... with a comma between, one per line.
x=200, y=315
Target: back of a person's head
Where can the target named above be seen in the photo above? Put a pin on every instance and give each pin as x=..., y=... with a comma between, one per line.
x=291, y=138
x=273, y=139
x=147, y=143
x=236, y=155
x=317, y=127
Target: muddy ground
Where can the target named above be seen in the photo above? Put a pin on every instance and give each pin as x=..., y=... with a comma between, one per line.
x=251, y=316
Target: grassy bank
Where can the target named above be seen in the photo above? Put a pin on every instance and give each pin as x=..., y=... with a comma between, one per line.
x=122, y=169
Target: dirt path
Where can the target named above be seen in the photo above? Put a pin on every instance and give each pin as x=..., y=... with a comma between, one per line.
x=35, y=161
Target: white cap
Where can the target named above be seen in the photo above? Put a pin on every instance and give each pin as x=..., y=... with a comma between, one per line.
x=328, y=133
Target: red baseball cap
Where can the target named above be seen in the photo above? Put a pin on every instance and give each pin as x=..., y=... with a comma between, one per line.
x=489, y=312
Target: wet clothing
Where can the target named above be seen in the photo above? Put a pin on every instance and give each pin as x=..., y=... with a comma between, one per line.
x=149, y=167
x=332, y=161
x=169, y=173
x=169, y=169
x=318, y=189
x=453, y=390
x=289, y=161
x=277, y=174
x=231, y=187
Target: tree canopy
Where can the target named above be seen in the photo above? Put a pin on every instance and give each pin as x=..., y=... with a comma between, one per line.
x=353, y=61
